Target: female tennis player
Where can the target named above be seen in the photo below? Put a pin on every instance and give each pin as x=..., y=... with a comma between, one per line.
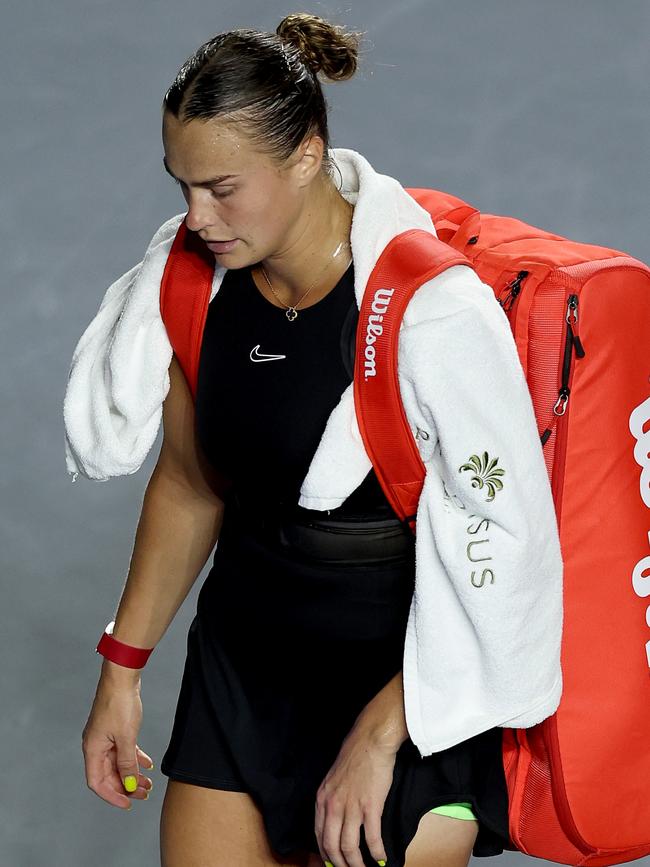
x=290, y=742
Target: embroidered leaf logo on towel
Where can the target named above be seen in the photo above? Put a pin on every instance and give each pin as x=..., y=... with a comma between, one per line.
x=486, y=474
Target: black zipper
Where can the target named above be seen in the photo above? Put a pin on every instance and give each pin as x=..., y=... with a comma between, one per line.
x=514, y=288
x=571, y=342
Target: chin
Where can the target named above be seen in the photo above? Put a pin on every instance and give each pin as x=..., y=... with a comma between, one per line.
x=230, y=261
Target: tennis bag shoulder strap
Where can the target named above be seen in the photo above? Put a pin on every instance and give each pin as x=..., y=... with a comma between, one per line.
x=185, y=290
x=409, y=260
x=580, y=318
x=184, y=298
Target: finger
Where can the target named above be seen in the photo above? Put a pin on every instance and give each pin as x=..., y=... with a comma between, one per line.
x=331, y=836
x=115, y=780
x=102, y=779
x=372, y=833
x=319, y=822
x=350, y=837
x=126, y=763
x=144, y=783
x=319, y=819
x=144, y=759
x=109, y=789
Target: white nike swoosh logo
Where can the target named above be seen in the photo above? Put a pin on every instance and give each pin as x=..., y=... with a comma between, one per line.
x=263, y=356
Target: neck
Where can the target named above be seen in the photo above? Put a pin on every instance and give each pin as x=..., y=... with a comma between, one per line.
x=327, y=222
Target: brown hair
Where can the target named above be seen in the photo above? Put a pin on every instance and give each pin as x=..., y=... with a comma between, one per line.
x=267, y=82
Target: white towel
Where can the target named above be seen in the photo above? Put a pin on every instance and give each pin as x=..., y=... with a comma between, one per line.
x=483, y=639
x=119, y=376
x=482, y=644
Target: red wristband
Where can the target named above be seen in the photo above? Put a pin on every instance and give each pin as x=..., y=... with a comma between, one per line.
x=121, y=653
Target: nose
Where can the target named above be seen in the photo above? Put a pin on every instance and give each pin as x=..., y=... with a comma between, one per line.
x=199, y=214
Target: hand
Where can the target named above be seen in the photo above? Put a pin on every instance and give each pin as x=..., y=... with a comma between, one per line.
x=353, y=794
x=109, y=747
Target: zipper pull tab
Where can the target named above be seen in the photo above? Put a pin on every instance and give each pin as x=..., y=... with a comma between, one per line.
x=515, y=287
x=561, y=402
x=572, y=341
x=572, y=308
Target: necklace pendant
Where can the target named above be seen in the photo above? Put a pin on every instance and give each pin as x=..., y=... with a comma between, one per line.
x=291, y=313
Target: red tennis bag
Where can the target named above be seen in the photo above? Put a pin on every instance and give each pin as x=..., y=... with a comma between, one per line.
x=579, y=781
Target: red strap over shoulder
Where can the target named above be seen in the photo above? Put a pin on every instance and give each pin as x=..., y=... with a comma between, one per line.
x=408, y=261
x=185, y=290
x=184, y=298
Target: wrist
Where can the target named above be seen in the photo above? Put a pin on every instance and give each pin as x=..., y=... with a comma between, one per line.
x=387, y=734
x=119, y=675
x=383, y=725
x=120, y=653
x=383, y=719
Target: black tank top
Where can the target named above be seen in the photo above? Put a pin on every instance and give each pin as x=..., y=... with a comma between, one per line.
x=260, y=417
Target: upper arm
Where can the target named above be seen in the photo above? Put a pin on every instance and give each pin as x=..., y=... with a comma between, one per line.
x=181, y=456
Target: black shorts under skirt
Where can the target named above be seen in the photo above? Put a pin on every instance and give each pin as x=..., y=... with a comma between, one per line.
x=282, y=655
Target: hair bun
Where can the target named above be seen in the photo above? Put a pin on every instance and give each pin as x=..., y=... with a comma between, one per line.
x=324, y=47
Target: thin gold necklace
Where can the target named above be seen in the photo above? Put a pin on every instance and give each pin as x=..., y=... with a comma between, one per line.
x=291, y=312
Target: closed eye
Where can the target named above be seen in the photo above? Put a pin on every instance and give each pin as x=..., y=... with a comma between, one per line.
x=214, y=192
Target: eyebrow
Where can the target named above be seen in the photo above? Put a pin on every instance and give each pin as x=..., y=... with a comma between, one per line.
x=207, y=183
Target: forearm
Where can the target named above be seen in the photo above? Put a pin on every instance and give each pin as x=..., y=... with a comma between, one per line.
x=383, y=719
x=177, y=530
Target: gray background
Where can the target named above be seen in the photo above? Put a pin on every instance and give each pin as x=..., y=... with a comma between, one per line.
x=533, y=109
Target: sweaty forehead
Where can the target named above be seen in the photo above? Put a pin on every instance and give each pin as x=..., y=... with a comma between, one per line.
x=213, y=135
x=201, y=151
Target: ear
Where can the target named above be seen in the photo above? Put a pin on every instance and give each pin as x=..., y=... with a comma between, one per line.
x=308, y=159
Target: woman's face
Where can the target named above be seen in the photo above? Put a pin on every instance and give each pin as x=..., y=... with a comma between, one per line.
x=259, y=205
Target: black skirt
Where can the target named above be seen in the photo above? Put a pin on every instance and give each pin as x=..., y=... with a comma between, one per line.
x=285, y=650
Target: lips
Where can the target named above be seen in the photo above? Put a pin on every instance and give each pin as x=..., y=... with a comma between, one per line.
x=221, y=246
